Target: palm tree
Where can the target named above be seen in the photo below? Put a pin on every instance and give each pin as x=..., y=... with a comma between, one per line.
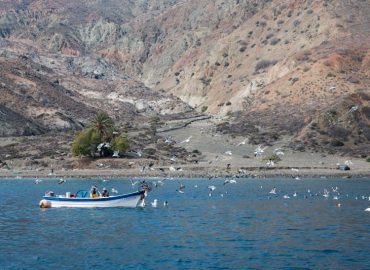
x=102, y=123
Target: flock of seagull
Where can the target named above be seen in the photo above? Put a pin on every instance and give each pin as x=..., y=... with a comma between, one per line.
x=327, y=193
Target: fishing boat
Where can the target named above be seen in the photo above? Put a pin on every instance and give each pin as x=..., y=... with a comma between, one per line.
x=81, y=199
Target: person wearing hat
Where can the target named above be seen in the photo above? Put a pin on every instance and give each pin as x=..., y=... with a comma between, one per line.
x=105, y=193
x=93, y=192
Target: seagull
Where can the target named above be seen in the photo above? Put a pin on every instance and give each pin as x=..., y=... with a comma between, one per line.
x=211, y=189
x=295, y=169
x=367, y=209
x=286, y=197
x=279, y=152
x=154, y=203
x=353, y=109
x=259, y=150
x=242, y=142
x=172, y=169
x=228, y=153
x=270, y=163
x=165, y=203
x=231, y=181
x=38, y=181
x=295, y=194
x=273, y=190
x=187, y=140
x=181, y=188
x=326, y=193
x=168, y=140
x=348, y=162
x=113, y=190
x=133, y=183
x=61, y=181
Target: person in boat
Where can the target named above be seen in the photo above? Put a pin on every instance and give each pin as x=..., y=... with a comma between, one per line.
x=105, y=193
x=93, y=192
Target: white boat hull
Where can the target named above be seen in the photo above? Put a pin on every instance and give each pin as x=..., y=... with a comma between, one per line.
x=127, y=200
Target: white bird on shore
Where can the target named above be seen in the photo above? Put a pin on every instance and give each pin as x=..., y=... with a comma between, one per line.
x=173, y=158
x=348, y=162
x=295, y=169
x=113, y=190
x=228, y=153
x=187, y=140
x=154, y=203
x=270, y=163
x=168, y=140
x=279, y=152
x=259, y=150
x=242, y=142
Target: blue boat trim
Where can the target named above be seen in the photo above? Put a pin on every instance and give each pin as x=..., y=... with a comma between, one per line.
x=99, y=199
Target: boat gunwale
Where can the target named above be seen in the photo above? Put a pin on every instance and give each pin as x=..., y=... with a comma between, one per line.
x=98, y=199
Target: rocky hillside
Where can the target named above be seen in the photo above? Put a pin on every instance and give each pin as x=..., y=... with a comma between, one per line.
x=273, y=67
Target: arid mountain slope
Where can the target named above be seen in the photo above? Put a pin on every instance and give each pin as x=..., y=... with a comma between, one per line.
x=272, y=66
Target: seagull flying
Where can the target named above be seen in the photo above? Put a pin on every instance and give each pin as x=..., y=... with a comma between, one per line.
x=61, y=181
x=38, y=181
x=181, y=188
x=242, y=142
x=187, y=140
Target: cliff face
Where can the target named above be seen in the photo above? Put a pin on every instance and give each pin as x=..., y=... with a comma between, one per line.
x=283, y=62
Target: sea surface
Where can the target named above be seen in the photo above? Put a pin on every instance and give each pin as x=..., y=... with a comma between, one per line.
x=238, y=226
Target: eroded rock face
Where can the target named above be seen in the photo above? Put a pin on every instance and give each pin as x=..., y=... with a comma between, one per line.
x=281, y=62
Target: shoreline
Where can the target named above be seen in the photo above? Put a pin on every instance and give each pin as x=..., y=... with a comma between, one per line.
x=190, y=172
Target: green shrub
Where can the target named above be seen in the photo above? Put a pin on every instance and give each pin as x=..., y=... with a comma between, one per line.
x=119, y=143
x=85, y=142
x=273, y=157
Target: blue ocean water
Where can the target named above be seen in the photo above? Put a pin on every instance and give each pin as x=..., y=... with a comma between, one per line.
x=240, y=226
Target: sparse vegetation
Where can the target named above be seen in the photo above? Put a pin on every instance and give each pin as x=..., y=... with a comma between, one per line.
x=264, y=64
x=272, y=157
